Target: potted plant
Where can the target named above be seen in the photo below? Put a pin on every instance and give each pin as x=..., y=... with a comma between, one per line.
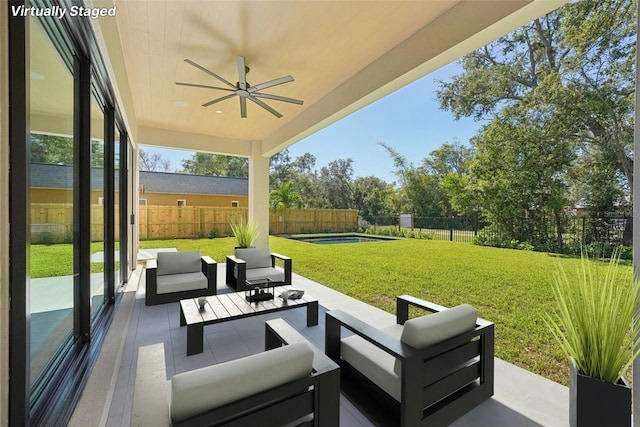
x=596, y=325
x=245, y=232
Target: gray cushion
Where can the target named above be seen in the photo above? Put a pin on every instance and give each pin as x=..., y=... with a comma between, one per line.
x=200, y=390
x=423, y=331
x=254, y=257
x=179, y=262
x=385, y=370
x=181, y=282
x=275, y=274
x=372, y=362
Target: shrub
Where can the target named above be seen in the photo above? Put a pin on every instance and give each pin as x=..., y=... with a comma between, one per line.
x=595, y=321
x=214, y=233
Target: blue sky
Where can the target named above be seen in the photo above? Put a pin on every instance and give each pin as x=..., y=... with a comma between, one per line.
x=409, y=120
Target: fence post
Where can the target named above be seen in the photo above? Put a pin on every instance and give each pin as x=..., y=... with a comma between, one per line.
x=451, y=228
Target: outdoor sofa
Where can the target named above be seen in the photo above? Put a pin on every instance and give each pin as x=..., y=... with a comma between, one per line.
x=429, y=370
x=179, y=275
x=256, y=264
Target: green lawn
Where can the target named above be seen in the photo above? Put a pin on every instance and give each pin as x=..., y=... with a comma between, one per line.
x=509, y=287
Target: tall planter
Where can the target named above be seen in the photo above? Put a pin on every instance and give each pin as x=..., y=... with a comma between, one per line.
x=596, y=403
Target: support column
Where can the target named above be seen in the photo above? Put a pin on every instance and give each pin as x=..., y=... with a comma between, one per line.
x=636, y=220
x=259, y=192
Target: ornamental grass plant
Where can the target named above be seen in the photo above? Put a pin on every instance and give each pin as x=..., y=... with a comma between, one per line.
x=245, y=232
x=595, y=320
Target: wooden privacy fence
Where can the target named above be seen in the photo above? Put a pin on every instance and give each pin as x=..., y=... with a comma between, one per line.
x=157, y=222
x=292, y=221
x=53, y=222
x=162, y=222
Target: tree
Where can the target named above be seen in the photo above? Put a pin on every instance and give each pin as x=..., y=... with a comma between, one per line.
x=285, y=197
x=51, y=149
x=216, y=165
x=450, y=165
x=334, y=182
x=152, y=162
x=577, y=62
x=370, y=197
x=518, y=169
x=422, y=190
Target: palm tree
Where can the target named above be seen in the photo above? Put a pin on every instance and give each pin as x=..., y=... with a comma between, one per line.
x=284, y=197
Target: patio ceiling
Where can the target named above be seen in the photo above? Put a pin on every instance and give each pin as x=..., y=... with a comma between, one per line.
x=342, y=54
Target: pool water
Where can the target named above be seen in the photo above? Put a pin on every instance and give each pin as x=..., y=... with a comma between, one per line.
x=335, y=239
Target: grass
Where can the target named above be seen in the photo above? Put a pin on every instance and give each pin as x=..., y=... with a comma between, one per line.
x=57, y=260
x=508, y=287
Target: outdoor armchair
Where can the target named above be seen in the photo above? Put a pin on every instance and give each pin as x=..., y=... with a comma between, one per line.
x=428, y=370
x=179, y=275
x=295, y=384
x=256, y=264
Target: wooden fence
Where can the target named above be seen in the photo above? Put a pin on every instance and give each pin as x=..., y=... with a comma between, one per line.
x=54, y=221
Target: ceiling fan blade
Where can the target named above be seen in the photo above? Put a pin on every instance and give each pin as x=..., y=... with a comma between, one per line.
x=265, y=106
x=243, y=107
x=277, y=98
x=204, y=86
x=270, y=83
x=218, y=100
x=242, y=73
x=211, y=73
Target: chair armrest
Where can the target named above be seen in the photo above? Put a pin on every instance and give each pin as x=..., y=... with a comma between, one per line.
x=232, y=263
x=336, y=319
x=278, y=333
x=282, y=257
x=151, y=285
x=235, y=260
x=287, y=266
x=210, y=270
x=404, y=301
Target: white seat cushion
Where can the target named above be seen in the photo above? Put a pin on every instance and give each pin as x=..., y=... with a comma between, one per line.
x=181, y=282
x=200, y=390
x=372, y=362
x=179, y=262
x=275, y=274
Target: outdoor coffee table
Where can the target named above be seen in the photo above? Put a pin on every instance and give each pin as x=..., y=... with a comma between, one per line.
x=225, y=307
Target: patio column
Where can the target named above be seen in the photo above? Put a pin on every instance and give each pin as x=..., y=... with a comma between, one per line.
x=636, y=220
x=259, y=192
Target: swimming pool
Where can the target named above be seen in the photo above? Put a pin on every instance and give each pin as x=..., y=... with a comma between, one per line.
x=334, y=239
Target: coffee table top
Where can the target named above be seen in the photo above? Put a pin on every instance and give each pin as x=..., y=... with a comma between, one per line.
x=219, y=308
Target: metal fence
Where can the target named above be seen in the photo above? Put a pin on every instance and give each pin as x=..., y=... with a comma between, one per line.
x=526, y=233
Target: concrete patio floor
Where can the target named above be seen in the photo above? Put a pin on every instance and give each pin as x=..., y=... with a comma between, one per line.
x=521, y=398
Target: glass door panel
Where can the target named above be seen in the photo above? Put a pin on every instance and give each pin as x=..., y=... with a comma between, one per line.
x=52, y=191
x=97, y=206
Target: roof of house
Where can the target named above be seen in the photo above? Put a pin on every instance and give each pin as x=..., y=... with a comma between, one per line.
x=164, y=182
x=61, y=176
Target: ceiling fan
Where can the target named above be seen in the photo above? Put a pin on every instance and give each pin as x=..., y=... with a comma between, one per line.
x=243, y=90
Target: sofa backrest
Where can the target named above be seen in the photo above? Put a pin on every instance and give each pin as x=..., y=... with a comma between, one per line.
x=424, y=331
x=255, y=257
x=200, y=390
x=179, y=262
